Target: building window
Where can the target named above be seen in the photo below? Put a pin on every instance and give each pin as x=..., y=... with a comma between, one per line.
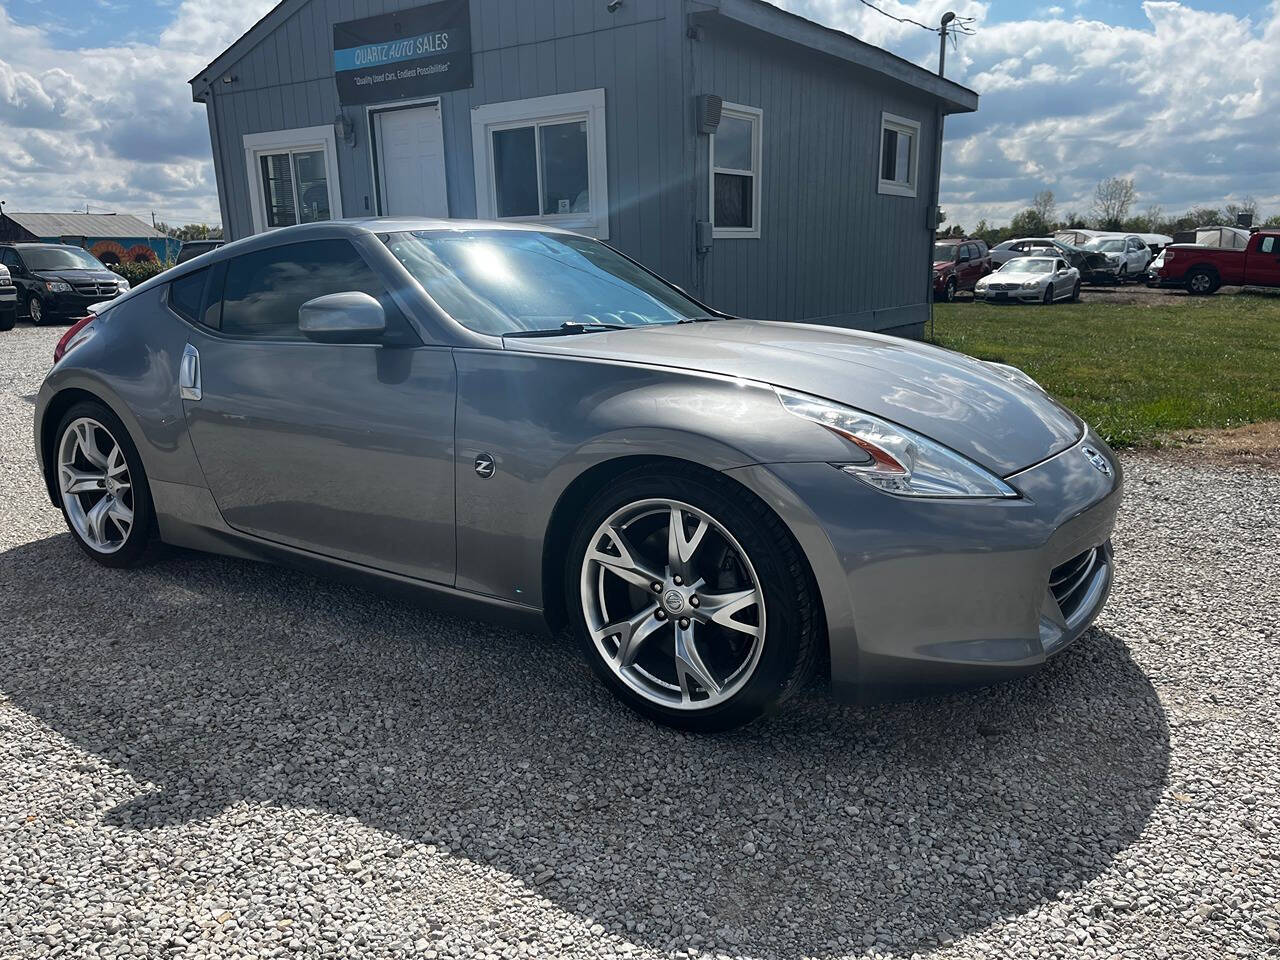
x=735, y=172
x=899, y=155
x=293, y=177
x=543, y=160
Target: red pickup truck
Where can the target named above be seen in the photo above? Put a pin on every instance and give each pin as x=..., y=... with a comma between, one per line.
x=1202, y=270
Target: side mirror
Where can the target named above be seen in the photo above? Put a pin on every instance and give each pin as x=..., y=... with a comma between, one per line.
x=343, y=318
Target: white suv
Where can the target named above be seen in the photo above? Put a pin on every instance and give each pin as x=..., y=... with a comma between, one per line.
x=1127, y=255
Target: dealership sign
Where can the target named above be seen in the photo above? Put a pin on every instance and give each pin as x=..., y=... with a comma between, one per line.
x=411, y=53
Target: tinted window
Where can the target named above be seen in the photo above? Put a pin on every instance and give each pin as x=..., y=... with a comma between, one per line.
x=264, y=290
x=186, y=294
x=62, y=258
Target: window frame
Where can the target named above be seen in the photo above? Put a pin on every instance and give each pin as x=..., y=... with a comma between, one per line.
x=900, y=125
x=297, y=140
x=754, y=116
x=583, y=105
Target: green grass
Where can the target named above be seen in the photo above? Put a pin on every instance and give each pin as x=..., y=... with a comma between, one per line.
x=1136, y=372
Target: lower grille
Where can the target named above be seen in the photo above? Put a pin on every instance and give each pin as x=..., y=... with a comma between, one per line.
x=1069, y=582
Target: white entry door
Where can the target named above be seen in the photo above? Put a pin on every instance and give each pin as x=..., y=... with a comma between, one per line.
x=410, y=146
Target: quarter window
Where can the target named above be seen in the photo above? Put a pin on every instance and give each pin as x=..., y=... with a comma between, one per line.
x=1268, y=245
x=543, y=160
x=735, y=172
x=899, y=155
x=264, y=289
x=187, y=293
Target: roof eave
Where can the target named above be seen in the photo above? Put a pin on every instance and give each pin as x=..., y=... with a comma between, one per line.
x=779, y=23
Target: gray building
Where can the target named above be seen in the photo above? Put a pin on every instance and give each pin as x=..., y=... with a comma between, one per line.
x=773, y=167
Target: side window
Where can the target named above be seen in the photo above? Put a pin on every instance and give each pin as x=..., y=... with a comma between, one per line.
x=1268, y=245
x=8, y=258
x=186, y=294
x=264, y=289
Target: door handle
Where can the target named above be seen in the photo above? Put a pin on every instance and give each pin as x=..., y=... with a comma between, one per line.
x=189, y=374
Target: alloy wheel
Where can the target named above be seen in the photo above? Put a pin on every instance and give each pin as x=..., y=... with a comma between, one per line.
x=36, y=310
x=97, y=491
x=673, y=604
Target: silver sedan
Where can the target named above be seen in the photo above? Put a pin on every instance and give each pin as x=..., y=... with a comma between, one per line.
x=1031, y=280
x=524, y=423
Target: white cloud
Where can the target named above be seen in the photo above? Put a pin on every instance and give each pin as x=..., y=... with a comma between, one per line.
x=1188, y=104
x=113, y=127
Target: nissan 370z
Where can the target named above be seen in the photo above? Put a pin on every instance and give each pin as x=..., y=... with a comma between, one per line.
x=524, y=421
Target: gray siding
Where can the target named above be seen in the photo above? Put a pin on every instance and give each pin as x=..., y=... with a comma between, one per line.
x=831, y=247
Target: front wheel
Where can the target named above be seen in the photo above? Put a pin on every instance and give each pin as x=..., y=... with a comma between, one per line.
x=949, y=294
x=690, y=600
x=1123, y=277
x=35, y=309
x=103, y=489
x=8, y=318
x=1048, y=294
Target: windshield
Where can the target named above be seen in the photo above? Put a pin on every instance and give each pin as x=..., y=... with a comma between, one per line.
x=1028, y=265
x=944, y=252
x=60, y=258
x=1105, y=246
x=508, y=281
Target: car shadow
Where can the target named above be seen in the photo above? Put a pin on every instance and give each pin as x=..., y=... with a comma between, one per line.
x=224, y=682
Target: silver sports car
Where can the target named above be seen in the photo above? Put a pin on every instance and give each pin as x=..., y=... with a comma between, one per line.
x=525, y=422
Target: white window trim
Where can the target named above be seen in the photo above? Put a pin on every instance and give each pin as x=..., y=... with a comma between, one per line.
x=889, y=121
x=756, y=117
x=585, y=105
x=300, y=138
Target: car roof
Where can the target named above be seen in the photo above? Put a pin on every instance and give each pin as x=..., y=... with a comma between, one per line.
x=29, y=245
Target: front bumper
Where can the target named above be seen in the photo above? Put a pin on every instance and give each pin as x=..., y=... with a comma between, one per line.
x=71, y=304
x=1009, y=296
x=924, y=594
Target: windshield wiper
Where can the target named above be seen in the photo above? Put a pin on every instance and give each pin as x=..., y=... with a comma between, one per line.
x=569, y=326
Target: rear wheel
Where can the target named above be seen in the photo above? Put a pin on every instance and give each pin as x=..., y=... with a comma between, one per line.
x=1075, y=292
x=102, y=486
x=690, y=600
x=1201, y=282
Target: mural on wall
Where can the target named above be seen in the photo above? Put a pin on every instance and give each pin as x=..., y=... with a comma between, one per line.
x=109, y=252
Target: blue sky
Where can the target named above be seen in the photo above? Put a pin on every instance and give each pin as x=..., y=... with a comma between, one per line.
x=1181, y=95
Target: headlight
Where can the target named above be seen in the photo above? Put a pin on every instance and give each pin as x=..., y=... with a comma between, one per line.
x=57, y=286
x=893, y=458
x=123, y=284
x=1031, y=285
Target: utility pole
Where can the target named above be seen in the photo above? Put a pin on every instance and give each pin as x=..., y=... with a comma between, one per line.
x=936, y=187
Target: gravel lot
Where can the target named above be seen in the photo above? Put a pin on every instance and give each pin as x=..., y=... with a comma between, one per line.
x=215, y=758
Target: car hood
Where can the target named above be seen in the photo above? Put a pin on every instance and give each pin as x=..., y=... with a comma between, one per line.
x=943, y=264
x=970, y=406
x=71, y=275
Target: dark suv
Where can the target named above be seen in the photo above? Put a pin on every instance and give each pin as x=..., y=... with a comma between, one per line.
x=55, y=280
x=958, y=265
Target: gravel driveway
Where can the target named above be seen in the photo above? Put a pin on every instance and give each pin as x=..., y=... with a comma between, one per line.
x=216, y=758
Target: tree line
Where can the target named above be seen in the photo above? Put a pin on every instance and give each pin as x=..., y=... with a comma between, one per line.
x=1113, y=202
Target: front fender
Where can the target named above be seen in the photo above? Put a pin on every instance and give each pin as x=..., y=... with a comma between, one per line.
x=545, y=420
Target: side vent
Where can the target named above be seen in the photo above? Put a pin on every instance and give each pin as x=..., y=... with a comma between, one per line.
x=709, y=109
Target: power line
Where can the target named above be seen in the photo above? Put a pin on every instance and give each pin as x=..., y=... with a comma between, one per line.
x=960, y=25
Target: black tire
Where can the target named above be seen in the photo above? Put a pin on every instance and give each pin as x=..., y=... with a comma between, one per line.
x=35, y=310
x=1201, y=282
x=793, y=633
x=1123, y=276
x=8, y=319
x=1048, y=294
x=949, y=292
x=142, y=543
x=1075, y=293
